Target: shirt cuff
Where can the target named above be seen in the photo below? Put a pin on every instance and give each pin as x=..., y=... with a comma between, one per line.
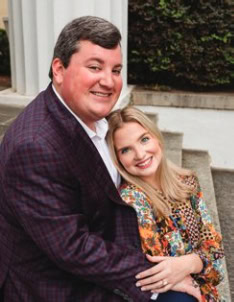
x=154, y=296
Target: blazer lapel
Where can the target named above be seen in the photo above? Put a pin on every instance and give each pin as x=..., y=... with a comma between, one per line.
x=82, y=145
x=96, y=165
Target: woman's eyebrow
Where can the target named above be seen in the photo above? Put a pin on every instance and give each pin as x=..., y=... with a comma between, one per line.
x=139, y=138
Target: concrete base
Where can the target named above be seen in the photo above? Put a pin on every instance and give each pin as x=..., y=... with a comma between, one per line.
x=224, y=101
x=10, y=98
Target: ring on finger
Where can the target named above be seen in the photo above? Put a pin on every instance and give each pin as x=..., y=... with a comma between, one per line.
x=164, y=282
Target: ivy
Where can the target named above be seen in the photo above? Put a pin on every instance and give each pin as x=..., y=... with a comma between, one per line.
x=4, y=53
x=181, y=43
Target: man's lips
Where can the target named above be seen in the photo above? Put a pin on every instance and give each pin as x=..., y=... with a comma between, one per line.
x=101, y=94
x=145, y=164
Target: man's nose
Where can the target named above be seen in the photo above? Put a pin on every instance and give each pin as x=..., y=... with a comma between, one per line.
x=107, y=80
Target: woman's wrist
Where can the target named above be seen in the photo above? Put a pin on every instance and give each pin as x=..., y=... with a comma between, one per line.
x=194, y=263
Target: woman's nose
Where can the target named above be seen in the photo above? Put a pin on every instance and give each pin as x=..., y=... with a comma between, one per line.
x=139, y=153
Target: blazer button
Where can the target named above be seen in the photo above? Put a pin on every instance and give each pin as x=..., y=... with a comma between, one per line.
x=127, y=298
x=117, y=292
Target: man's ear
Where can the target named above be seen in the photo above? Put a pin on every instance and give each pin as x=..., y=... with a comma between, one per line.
x=58, y=71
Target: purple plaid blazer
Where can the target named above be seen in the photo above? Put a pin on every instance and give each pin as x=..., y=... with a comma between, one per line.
x=65, y=234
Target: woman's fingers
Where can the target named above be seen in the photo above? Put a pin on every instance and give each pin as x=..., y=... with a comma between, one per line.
x=161, y=289
x=149, y=272
x=155, y=258
x=159, y=286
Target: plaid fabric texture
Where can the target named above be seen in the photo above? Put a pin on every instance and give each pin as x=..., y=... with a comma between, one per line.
x=65, y=234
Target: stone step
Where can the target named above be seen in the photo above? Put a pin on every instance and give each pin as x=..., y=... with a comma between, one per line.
x=7, y=115
x=152, y=116
x=173, y=141
x=4, y=125
x=173, y=146
x=10, y=111
x=199, y=162
x=146, y=97
x=224, y=192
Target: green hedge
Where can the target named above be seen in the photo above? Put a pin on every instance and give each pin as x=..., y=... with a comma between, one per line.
x=181, y=43
x=4, y=53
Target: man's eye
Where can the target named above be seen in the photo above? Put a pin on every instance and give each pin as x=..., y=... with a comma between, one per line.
x=117, y=71
x=95, y=68
x=145, y=139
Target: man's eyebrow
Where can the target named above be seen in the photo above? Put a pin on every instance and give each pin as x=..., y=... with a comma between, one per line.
x=102, y=62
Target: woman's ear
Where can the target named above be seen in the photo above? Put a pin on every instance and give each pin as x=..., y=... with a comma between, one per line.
x=58, y=71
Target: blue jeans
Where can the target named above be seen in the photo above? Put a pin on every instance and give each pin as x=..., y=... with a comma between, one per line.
x=172, y=296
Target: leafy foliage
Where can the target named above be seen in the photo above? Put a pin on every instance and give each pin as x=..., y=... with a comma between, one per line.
x=4, y=53
x=181, y=43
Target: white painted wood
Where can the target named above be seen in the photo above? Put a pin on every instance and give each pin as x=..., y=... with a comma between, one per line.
x=45, y=40
x=12, y=45
x=30, y=46
x=83, y=8
x=103, y=9
x=18, y=46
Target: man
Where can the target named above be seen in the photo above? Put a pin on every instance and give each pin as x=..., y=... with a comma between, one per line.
x=65, y=234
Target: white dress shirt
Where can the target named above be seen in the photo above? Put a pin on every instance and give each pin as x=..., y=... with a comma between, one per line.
x=98, y=139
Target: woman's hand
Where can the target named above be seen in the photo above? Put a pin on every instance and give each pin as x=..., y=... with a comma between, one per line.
x=189, y=286
x=168, y=272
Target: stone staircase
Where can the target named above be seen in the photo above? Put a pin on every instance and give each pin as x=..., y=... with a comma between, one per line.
x=224, y=191
x=216, y=185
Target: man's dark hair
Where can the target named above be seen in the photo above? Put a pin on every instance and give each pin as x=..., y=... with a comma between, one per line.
x=94, y=29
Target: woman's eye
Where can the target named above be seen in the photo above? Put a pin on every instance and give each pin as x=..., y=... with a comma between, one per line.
x=124, y=150
x=145, y=139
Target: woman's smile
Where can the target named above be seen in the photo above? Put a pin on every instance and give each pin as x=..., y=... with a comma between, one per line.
x=145, y=164
x=138, y=151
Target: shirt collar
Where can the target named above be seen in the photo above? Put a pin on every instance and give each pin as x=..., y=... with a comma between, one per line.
x=101, y=125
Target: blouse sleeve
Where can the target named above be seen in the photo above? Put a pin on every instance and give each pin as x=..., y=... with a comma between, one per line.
x=209, y=246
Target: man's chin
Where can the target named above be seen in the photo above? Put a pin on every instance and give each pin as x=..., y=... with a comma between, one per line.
x=104, y=113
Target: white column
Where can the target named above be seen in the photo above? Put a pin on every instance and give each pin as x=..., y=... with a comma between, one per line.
x=34, y=26
x=45, y=40
x=30, y=48
x=18, y=50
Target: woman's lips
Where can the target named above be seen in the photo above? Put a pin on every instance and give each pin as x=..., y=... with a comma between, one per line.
x=145, y=164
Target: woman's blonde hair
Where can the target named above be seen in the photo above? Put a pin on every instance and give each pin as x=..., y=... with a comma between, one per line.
x=169, y=174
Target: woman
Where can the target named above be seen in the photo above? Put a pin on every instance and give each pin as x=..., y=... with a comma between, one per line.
x=174, y=225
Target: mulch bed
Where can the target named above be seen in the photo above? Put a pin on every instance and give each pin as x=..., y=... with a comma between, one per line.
x=5, y=81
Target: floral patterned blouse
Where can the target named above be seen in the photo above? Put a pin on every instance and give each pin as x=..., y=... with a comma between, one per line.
x=187, y=230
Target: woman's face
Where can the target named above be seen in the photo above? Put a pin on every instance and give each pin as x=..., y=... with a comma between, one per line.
x=138, y=151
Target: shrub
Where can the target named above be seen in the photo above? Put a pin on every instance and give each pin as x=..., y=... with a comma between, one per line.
x=4, y=53
x=181, y=43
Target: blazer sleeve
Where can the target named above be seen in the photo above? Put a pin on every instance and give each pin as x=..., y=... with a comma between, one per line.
x=43, y=203
x=209, y=246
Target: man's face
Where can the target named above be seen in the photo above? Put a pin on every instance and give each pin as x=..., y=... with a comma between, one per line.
x=92, y=82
